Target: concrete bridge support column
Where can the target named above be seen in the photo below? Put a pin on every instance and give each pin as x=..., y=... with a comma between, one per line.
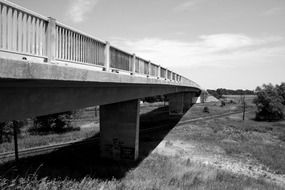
x=176, y=103
x=188, y=101
x=119, y=130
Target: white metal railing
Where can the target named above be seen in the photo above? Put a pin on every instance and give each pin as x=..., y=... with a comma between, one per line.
x=25, y=32
x=141, y=66
x=21, y=30
x=162, y=72
x=120, y=59
x=77, y=47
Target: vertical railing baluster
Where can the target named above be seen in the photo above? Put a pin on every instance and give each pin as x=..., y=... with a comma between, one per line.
x=18, y=34
x=24, y=25
x=37, y=37
x=70, y=46
x=73, y=46
x=4, y=27
x=28, y=34
x=76, y=47
x=45, y=25
x=83, y=49
x=88, y=50
x=40, y=38
x=80, y=45
x=65, y=43
x=1, y=25
x=92, y=51
x=9, y=32
x=78, y=41
x=43, y=36
x=57, y=42
x=14, y=29
x=61, y=43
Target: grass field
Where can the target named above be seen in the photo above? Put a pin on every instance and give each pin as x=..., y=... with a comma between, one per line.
x=224, y=153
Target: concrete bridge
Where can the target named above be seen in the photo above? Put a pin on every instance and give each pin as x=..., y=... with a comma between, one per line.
x=47, y=67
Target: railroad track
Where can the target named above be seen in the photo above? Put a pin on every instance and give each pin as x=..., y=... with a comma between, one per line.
x=46, y=149
x=49, y=148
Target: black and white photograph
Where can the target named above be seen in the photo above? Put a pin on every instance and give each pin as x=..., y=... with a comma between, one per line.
x=142, y=94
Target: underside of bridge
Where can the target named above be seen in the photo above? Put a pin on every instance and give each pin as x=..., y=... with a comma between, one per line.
x=32, y=89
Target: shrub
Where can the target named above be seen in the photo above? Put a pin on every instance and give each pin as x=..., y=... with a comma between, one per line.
x=223, y=103
x=6, y=130
x=206, y=109
x=269, y=103
x=53, y=123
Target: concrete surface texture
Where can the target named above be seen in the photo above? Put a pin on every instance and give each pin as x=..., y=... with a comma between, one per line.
x=119, y=130
x=29, y=89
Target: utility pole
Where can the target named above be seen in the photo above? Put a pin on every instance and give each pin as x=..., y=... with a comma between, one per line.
x=243, y=102
x=15, y=125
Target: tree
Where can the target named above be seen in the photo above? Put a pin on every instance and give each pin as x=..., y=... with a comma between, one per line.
x=269, y=103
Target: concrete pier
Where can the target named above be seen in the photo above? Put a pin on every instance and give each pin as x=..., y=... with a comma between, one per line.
x=119, y=130
x=188, y=101
x=176, y=103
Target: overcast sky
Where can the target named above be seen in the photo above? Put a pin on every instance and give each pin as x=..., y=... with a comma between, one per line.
x=217, y=43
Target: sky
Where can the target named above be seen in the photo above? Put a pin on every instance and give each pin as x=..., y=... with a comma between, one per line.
x=235, y=44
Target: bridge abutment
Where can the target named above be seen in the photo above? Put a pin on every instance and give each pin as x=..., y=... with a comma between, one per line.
x=119, y=130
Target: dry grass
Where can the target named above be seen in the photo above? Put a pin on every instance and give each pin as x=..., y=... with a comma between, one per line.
x=155, y=172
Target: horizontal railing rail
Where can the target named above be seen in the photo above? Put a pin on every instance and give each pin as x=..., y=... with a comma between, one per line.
x=28, y=33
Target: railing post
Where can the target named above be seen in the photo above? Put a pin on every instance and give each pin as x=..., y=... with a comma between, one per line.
x=149, y=68
x=134, y=64
x=51, y=39
x=107, y=57
x=158, y=71
x=166, y=73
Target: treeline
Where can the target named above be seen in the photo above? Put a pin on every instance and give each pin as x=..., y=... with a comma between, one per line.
x=159, y=98
x=218, y=93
